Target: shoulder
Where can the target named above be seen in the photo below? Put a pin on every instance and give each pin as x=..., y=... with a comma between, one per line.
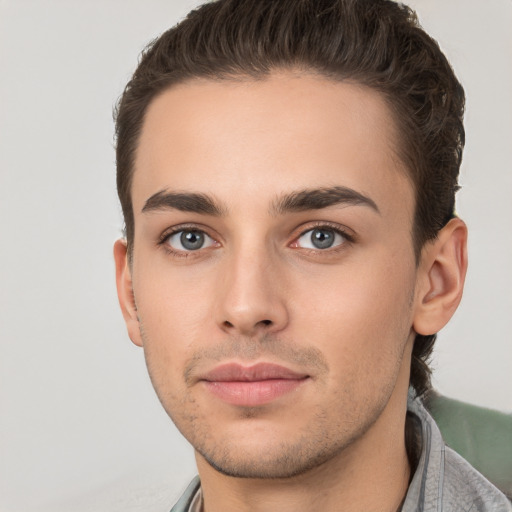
x=445, y=481
x=464, y=488
x=481, y=436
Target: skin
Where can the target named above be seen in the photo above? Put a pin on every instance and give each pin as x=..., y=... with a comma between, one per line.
x=259, y=291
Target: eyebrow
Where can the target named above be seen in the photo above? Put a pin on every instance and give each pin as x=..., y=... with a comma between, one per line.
x=302, y=200
x=183, y=201
x=317, y=199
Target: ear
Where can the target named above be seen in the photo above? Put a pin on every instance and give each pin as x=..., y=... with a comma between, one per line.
x=441, y=277
x=125, y=292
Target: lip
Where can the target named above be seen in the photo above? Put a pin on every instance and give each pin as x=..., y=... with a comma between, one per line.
x=250, y=386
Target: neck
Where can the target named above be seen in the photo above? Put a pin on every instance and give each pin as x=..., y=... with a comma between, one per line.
x=372, y=474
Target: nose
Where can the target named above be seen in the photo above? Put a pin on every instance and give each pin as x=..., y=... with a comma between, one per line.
x=252, y=298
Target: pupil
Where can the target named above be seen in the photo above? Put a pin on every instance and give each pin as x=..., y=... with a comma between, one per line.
x=192, y=240
x=322, y=238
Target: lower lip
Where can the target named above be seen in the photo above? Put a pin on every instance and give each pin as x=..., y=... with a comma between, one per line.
x=253, y=393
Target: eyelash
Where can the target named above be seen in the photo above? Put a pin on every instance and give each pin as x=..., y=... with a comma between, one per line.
x=164, y=237
x=336, y=228
x=348, y=237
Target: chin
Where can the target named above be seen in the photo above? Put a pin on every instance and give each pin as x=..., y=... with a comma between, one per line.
x=283, y=464
x=276, y=455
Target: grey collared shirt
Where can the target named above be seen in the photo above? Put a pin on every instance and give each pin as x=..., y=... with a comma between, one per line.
x=443, y=481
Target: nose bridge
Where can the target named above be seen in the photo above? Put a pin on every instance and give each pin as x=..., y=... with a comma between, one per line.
x=251, y=299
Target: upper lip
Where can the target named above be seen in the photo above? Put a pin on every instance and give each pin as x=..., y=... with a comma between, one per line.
x=233, y=372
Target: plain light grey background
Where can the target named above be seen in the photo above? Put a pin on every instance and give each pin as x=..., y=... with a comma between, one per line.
x=80, y=426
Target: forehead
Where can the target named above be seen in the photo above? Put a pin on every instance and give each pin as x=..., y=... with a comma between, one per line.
x=248, y=140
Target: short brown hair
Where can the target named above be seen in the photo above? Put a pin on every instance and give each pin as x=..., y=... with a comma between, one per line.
x=376, y=43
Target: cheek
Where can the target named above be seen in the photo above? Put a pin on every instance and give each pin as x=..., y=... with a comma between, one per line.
x=359, y=316
x=171, y=297
x=173, y=313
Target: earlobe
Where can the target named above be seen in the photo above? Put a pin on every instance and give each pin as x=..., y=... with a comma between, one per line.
x=125, y=292
x=441, y=278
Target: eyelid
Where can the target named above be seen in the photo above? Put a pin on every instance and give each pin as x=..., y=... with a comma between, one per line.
x=207, y=239
x=339, y=228
x=168, y=233
x=345, y=232
x=183, y=227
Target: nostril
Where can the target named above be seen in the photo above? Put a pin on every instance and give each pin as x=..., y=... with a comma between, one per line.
x=249, y=327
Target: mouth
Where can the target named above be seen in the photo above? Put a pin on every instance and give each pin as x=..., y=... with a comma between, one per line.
x=250, y=386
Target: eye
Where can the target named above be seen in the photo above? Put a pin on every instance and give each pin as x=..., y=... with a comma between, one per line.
x=320, y=238
x=189, y=240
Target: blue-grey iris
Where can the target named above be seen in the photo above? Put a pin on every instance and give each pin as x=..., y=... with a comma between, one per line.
x=192, y=240
x=322, y=238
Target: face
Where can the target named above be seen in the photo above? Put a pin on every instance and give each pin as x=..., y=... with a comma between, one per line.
x=273, y=270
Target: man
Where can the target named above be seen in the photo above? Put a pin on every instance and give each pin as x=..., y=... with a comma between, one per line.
x=287, y=172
